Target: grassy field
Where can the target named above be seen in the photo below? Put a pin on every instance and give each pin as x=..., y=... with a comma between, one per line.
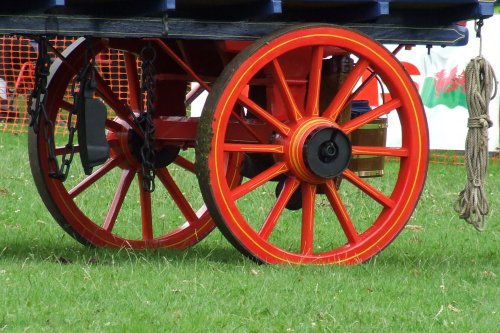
x=439, y=275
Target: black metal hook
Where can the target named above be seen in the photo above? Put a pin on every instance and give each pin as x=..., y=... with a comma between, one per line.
x=478, y=26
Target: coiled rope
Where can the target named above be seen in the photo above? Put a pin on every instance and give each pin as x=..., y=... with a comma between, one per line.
x=480, y=81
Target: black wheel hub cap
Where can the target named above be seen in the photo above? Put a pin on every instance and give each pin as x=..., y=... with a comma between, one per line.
x=327, y=152
x=163, y=157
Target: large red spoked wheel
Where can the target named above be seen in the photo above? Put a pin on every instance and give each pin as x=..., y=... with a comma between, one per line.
x=110, y=207
x=294, y=209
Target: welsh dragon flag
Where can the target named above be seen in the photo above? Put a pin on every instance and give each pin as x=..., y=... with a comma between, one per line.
x=446, y=87
x=440, y=79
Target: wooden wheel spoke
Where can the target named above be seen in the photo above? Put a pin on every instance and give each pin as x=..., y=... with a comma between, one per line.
x=371, y=115
x=121, y=110
x=121, y=192
x=259, y=180
x=62, y=150
x=185, y=164
x=195, y=92
x=254, y=148
x=76, y=148
x=114, y=126
x=246, y=126
x=134, y=88
x=341, y=99
x=362, y=87
x=98, y=174
x=290, y=104
x=146, y=211
x=170, y=53
x=67, y=106
x=371, y=77
x=103, y=90
x=64, y=61
x=176, y=194
x=256, y=110
x=308, y=203
x=314, y=87
x=369, y=189
x=341, y=212
x=380, y=151
x=289, y=187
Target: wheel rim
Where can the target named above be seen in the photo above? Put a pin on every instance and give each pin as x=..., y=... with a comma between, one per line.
x=93, y=209
x=271, y=236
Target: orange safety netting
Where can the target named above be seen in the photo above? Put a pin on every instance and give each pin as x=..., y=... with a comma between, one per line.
x=17, y=69
x=17, y=72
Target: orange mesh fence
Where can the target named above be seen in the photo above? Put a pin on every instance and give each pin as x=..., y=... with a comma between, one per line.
x=17, y=69
x=17, y=58
x=17, y=72
x=454, y=157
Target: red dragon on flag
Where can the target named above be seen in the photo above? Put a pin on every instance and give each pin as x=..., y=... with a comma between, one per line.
x=444, y=89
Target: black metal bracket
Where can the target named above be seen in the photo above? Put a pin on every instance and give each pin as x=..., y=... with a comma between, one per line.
x=91, y=124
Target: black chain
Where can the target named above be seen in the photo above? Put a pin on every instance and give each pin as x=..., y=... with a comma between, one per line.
x=37, y=102
x=87, y=73
x=478, y=26
x=38, y=105
x=145, y=120
x=84, y=76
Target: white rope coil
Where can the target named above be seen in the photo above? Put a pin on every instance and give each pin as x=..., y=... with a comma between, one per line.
x=480, y=80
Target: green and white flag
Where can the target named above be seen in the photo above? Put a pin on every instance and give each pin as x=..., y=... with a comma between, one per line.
x=440, y=79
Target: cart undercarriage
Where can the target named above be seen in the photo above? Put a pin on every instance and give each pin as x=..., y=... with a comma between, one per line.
x=287, y=151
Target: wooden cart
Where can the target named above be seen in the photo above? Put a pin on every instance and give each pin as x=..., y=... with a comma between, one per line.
x=272, y=149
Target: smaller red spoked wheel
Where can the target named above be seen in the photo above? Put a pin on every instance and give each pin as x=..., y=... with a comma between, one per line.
x=294, y=209
x=110, y=207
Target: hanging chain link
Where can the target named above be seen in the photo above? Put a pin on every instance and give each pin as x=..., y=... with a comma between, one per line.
x=145, y=119
x=87, y=73
x=38, y=108
x=37, y=105
x=478, y=26
x=37, y=102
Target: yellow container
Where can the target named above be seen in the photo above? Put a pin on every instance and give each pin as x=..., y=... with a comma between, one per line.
x=371, y=134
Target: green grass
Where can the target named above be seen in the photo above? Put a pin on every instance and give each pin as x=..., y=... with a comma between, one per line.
x=439, y=275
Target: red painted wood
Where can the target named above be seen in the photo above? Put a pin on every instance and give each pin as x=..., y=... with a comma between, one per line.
x=292, y=116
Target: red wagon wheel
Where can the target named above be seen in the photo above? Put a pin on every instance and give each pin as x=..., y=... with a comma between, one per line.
x=110, y=207
x=293, y=209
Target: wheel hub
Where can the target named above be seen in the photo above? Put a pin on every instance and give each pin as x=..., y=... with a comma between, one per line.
x=163, y=156
x=327, y=152
x=128, y=145
x=317, y=151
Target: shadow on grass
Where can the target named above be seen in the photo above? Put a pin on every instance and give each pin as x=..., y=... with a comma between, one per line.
x=69, y=251
x=216, y=250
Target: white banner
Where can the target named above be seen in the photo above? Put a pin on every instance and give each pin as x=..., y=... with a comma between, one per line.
x=440, y=79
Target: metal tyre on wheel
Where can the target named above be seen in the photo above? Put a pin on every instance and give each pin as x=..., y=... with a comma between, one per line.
x=294, y=209
x=110, y=207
